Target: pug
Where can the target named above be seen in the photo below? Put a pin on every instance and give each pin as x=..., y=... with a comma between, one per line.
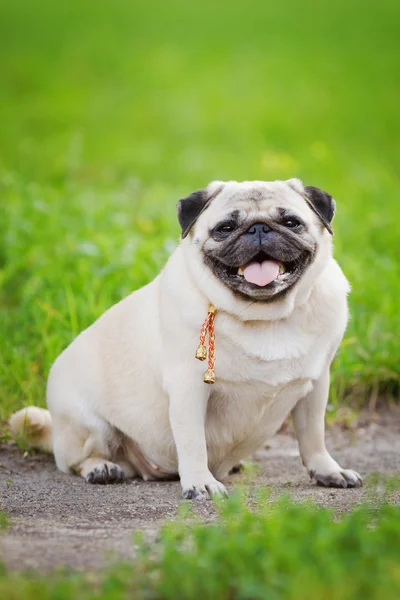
x=128, y=398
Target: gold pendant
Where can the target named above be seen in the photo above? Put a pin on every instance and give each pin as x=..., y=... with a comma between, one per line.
x=209, y=376
x=201, y=352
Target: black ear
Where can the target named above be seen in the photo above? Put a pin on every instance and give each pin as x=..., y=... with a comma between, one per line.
x=190, y=208
x=322, y=204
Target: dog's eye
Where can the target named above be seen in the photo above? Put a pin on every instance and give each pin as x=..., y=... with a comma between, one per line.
x=225, y=228
x=291, y=223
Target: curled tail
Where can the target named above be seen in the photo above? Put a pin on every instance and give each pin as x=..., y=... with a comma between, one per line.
x=33, y=424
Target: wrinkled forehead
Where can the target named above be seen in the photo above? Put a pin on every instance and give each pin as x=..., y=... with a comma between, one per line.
x=258, y=198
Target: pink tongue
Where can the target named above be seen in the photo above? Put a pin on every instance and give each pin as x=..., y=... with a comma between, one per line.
x=261, y=273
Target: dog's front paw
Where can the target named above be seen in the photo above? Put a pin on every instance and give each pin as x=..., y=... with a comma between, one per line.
x=345, y=478
x=212, y=489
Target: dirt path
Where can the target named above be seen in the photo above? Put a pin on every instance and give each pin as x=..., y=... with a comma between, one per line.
x=58, y=519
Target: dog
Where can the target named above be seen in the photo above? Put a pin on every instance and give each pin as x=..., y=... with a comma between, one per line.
x=128, y=399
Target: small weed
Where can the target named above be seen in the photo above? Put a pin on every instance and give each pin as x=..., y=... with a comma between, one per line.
x=4, y=520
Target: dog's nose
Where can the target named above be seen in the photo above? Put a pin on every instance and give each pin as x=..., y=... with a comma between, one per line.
x=258, y=229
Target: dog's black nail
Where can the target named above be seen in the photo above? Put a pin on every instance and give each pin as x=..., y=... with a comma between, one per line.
x=189, y=494
x=236, y=469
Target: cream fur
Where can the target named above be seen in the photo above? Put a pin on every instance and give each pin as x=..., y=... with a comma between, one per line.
x=134, y=369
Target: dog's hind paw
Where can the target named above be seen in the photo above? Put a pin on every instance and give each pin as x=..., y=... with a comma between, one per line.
x=346, y=478
x=104, y=473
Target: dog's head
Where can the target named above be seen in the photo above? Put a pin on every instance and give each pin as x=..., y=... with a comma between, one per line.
x=258, y=238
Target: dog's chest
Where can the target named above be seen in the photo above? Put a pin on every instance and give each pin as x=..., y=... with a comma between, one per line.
x=269, y=355
x=262, y=371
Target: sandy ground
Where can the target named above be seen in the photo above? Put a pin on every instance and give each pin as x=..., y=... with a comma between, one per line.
x=58, y=519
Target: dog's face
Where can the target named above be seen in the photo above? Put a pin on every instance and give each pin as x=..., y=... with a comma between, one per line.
x=257, y=238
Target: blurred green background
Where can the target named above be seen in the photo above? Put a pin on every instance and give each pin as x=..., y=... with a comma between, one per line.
x=111, y=111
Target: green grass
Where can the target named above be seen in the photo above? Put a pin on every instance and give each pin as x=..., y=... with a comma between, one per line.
x=282, y=551
x=111, y=111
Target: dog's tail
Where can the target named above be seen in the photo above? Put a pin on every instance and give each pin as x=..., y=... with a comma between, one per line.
x=33, y=424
